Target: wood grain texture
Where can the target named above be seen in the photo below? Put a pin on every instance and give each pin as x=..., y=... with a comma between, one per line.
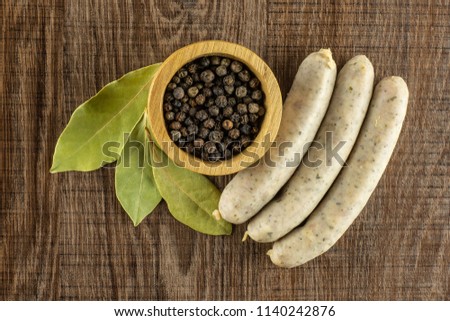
x=65, y=237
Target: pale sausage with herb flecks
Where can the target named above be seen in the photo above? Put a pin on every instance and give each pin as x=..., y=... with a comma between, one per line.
x=313, y=178
x=355, y=183
x=303, y=111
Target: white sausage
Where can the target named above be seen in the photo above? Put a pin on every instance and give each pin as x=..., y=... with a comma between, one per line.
x=311, y=181
x=303, y=111
x=355, y=183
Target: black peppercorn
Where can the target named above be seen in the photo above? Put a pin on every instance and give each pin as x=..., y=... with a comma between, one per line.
x=229, y=89
x=192, y=103
x=261, y=111
x=253, y=118
x=188, y=80
x=227, y=142
x=225, y=62
x=176, y=79
x=221, y=71
x=245, y=129
x=241, y=109
x=228, y=111
x=168, y=97
x=234, y=133
x=235, y=118
x=204, y=132
x=228, y=80
x=244, y=119
x=192, y=129
x=185, y=108
x=200, y=99
x=209, y=102
x=213, y=110
x=171, y=86
x=210, y=147
x=253, y=108
x=175, y=135
x=182, y=73
x=241, y=91
x=209, y=123
x=196, y=78
x=176, y=103
x=167, y=107
x=184, y=85
x=178, y=93
x=257, y=95
x=236, y=66
x=183, y=131
x=227, y=124
x=236, y=148
x=207, y=92
x=204, y=62
x=192, y=111
x=201, y=115
x=207, y=76
x=192, y=68
x=198, y=142
x=253, y=83
x=244, y=75
x=215, y=60
x=232, y=101
x=215, y=136
x=192, y=92
x=190, y=138
x=219, y=119
x=245, y=141
x=247, y=100
x=175, y=125
x=170, y=115
x=189, y=121
x=221, y=101
x=218, y=91
x=180, y=116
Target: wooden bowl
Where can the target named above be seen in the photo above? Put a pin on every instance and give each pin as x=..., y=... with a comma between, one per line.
x=272, y=104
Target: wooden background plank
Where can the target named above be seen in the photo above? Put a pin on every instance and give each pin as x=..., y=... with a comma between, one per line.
x=65, y=237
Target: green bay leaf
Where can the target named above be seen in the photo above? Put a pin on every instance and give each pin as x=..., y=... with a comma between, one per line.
x=94, y=135
x=191, y=198
x=135, y=186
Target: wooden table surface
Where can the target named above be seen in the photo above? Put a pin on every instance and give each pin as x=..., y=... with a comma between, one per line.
x=65, y=236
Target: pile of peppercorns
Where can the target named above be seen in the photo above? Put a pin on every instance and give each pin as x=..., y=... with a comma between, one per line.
x=213, y=107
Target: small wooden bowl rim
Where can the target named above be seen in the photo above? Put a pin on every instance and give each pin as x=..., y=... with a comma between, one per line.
x=272, y=104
